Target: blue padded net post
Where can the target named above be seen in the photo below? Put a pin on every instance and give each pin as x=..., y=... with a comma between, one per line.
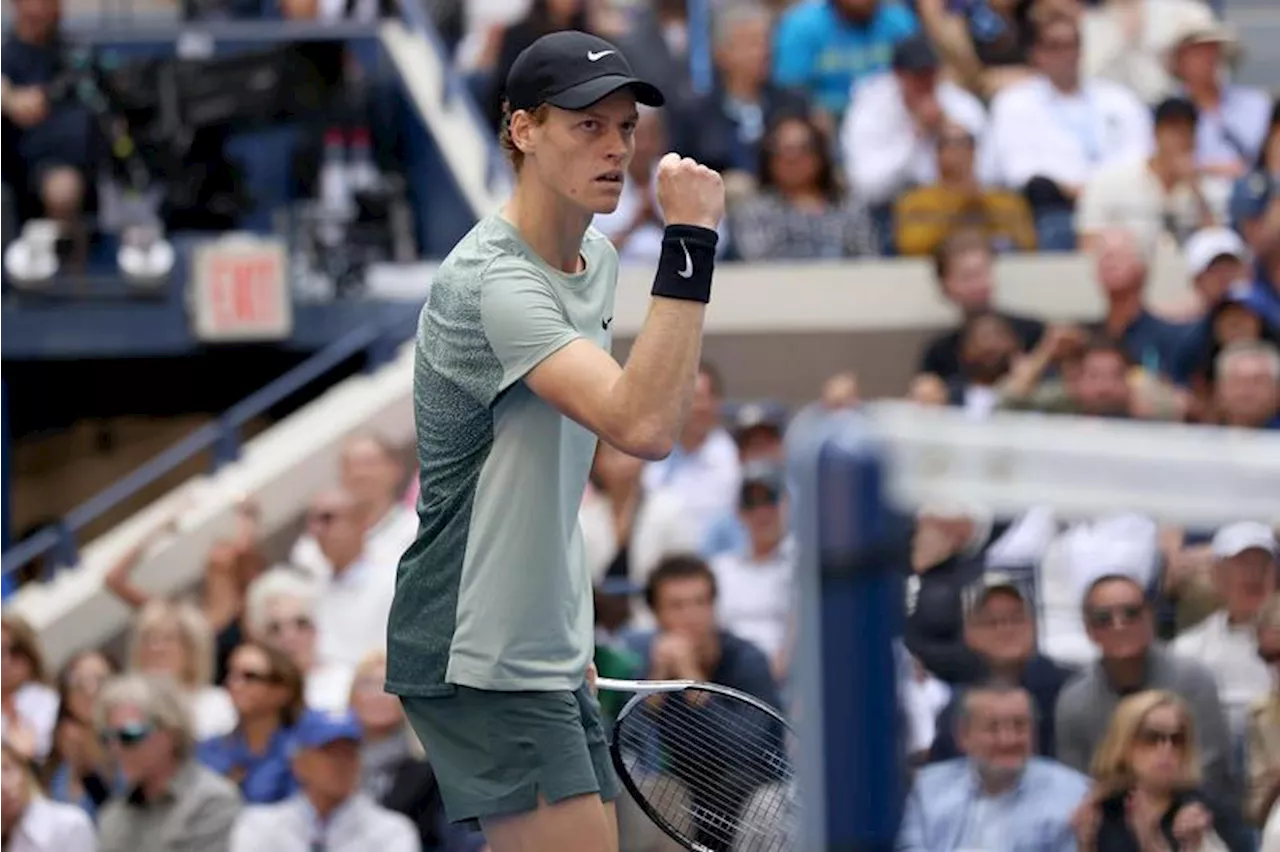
x=851, y=611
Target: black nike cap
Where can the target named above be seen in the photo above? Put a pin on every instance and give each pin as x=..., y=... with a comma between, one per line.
x=572, y=70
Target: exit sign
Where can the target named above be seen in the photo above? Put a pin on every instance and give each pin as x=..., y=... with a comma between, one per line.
x=239, y=290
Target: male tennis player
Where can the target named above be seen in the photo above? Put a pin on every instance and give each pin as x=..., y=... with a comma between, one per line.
x=491, y=631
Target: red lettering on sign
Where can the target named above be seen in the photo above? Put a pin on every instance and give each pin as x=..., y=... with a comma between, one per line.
x=244, y=291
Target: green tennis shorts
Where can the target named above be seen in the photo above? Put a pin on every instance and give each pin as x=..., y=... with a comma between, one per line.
x=494, y=753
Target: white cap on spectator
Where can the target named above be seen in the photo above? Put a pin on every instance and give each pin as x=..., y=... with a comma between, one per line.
x=1197, y=24
x=1234, y=539
x=1208, y=244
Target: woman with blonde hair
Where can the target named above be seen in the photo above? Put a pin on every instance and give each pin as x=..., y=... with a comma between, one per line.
x=1147, y=795
x=173, y=638
x=31, y=823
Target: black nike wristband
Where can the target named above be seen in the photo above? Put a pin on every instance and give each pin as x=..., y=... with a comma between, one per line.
x=687, y=261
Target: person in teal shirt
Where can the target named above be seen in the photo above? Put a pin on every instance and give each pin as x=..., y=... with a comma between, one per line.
x=824, y=48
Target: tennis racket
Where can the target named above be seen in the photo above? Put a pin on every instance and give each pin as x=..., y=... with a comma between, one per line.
x=709, y=765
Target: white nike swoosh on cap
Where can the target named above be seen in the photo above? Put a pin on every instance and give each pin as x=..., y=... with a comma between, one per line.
x=593, y=56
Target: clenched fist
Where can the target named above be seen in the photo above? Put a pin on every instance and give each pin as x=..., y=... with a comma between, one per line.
x=689, y=193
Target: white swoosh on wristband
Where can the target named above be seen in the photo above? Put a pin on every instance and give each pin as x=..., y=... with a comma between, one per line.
x=687, y=272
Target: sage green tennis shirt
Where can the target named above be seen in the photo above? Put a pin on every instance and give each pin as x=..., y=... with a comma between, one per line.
x=495, y=592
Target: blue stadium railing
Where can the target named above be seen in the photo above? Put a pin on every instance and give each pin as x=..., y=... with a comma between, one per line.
x=58, y=542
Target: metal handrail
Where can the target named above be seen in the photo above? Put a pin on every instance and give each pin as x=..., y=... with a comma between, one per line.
x=378, y=339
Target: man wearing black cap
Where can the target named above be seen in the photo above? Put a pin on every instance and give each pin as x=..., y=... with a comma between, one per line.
x=491, y=631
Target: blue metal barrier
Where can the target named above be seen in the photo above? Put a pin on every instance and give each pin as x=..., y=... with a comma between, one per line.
x=58, y=541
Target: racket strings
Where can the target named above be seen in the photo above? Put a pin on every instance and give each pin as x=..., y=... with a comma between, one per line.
x=715, y=769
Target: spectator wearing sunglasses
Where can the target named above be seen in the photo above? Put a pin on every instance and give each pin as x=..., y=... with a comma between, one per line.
x=266, y=689
x=1147, y=789
x=1120, y=624
x=280, y=613
x=329, y=813
x=31, y=823
x=173, y=804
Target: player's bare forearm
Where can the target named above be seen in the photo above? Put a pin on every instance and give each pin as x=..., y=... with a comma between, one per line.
x=656, y=384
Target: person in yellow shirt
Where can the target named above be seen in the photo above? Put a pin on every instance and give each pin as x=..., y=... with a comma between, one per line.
x=924, y=217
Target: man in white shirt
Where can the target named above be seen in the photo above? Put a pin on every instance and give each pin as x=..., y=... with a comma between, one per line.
x=1052, y=133
x=1163, y=193
x=372, y=474
x=353, y=605
x=1227, y=641
x=890, y=131
x=756, y=584
x=330, y=813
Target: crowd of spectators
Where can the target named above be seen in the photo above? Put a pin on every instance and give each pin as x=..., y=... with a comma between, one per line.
x=865, y=127
x=1107, y=685
x=251, y=716
x=83, y=152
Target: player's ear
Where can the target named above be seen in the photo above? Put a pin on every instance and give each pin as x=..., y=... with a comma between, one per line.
x=522, y=128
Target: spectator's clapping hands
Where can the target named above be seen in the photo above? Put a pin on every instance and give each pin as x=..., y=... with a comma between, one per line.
x=1190, y=824
x=1085, y=822
x=21, y=737
x=674, y=658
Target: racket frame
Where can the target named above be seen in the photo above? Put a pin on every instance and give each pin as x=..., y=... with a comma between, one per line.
x=644, y=689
